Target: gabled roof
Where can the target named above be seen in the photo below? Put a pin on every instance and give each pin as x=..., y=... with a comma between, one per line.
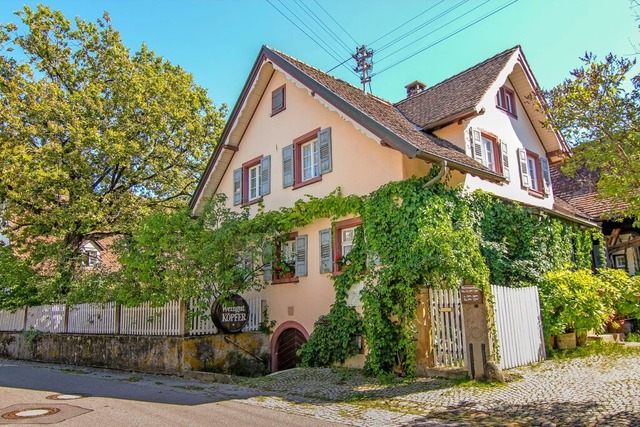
x=461, y=96
x=376, y=115
x=456, y=96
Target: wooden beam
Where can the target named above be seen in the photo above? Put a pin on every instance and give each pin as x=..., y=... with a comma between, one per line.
x=613, y=238
x=625, y=245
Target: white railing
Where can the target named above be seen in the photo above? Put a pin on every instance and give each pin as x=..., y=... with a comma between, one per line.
x=12, y=320
x=201, y=325
x=92, y=319
x=447, y=328
x=46, y=318
x=519, y=326
x=149, y=320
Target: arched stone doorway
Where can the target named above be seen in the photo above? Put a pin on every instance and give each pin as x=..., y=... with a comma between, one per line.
x=286, y=341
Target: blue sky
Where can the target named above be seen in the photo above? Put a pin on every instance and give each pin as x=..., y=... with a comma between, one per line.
x=218, y=41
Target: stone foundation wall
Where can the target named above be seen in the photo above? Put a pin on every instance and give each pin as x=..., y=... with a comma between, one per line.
x=157, y=354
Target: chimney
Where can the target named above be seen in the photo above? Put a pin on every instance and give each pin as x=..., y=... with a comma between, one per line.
x=415, y=88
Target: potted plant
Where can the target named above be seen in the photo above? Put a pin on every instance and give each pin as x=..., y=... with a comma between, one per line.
x=626, y=297
x=285, y=269
x=571, y=302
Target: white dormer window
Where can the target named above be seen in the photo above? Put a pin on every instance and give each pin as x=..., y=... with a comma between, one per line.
x=506, y=100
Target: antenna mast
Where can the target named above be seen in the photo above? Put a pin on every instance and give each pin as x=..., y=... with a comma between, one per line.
x=364, y=61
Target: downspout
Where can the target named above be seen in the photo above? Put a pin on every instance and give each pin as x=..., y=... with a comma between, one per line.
x=443, y=170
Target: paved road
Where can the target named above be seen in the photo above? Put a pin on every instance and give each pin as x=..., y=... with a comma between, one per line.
x=131, y=399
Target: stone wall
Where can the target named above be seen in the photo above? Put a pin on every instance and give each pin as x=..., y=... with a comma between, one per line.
x=158, y=354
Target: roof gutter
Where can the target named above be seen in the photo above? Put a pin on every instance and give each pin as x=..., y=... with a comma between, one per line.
x=491, y=176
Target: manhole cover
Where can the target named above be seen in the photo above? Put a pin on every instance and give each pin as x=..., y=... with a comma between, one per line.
x=65, y=396
x=23, y=414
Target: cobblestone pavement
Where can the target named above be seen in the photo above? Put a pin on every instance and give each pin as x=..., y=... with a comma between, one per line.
x=592, y=391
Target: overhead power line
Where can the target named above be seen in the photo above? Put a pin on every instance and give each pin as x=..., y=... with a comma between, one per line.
x=433, y=31
x=449, y=35
x=322, y=25
x=333, y=55
x=405, y=23
x=421, y=26
x=336, y=22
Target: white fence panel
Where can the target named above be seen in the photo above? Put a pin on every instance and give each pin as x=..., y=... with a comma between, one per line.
x=519, y=326
x=204, y=325
x=201, y=325
x=92, y=319
x=46, y=318
x=255, y=315
x=148, y=320
x=12, y=320
x=447, y=327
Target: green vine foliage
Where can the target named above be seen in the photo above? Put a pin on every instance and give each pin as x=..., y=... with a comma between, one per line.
x=411, y=237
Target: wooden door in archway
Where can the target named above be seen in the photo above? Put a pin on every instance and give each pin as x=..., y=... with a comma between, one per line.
x=287, y=346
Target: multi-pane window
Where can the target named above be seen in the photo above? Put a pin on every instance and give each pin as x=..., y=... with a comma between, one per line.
x=489, y=153
x=307, y=158
x=310, y=160
x=92, y=258
x=254, y=182
x=506, y=100
x=534, y=173
x=347, y=240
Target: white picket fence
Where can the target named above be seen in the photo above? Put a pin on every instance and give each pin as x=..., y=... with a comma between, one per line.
x=92, y=319
x=519, y=326
x=204, y=325
x=148, y=320
x=447, y=328
x=112, y=319
x=46, y=318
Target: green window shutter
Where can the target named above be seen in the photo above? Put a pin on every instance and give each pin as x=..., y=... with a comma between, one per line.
x=504, y=156
x=476, y=138
x=287, y=166
x=524, y=171
x=326, y=251
x=324, y=146
x=265, y=175
x=237, y=186
x=546, y=175
x=267, y=263
x=301, y=255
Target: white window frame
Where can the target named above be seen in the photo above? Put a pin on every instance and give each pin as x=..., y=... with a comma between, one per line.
x=254, y=181
x=93, y=258
x=532, y=168
x=488, y=148
x=310, y=153
x=346, y=244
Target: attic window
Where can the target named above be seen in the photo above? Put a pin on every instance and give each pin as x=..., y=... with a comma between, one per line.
x=506, y=100
x=278, y=100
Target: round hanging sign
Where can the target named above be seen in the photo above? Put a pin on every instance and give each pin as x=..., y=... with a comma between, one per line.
x=232, y=315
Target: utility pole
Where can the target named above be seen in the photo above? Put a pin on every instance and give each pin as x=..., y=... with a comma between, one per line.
x=364, y=61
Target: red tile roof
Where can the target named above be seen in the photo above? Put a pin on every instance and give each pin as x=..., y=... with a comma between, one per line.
x=580, y=192
x=384, y=113
x=456, y=95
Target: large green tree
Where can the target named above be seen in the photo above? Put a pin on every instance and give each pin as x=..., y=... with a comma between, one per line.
x=92, y=136
x=598, y=111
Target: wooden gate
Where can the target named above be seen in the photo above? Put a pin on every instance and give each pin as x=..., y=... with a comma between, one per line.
x=287, y=346
x=518, y=325
x=447, y=327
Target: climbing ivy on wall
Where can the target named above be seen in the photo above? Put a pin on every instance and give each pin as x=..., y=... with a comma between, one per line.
x=411, y=237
